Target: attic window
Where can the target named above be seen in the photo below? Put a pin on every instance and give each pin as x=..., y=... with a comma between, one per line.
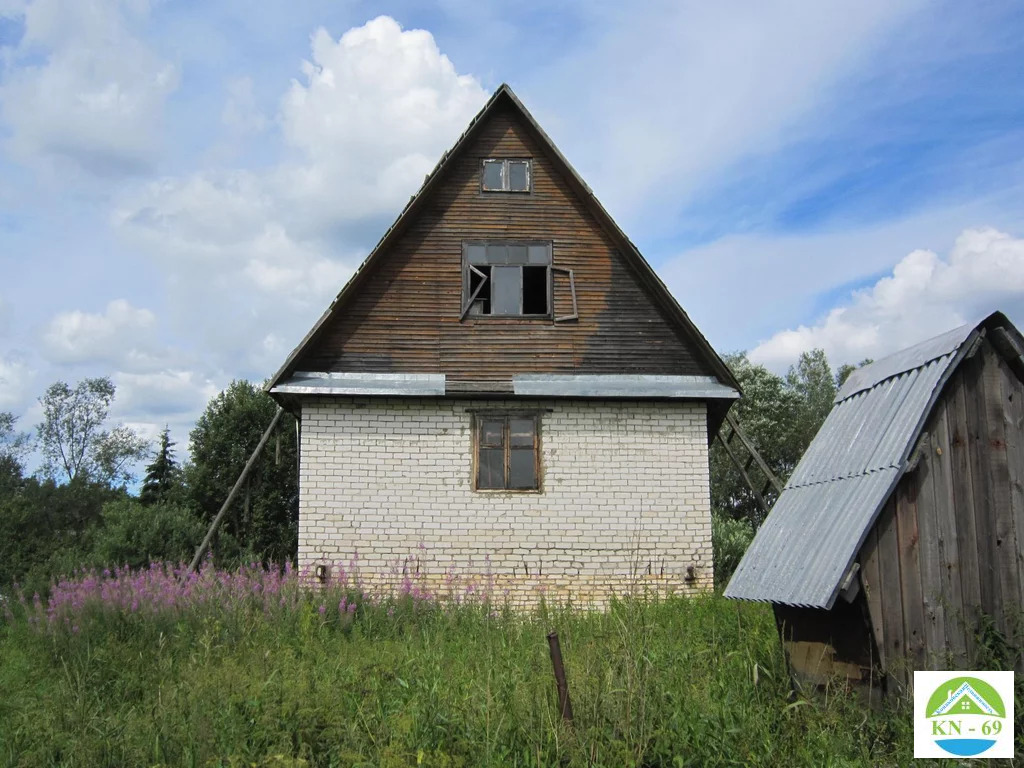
x=506, y=278
x=506, y=176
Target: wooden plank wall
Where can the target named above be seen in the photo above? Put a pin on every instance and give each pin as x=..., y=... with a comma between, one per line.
x=948, y=549
x=407, y=316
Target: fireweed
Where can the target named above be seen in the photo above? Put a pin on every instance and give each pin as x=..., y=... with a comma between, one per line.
x=168, y=592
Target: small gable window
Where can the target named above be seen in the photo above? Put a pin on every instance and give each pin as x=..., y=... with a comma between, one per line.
x=506, y=452
x=506, y=175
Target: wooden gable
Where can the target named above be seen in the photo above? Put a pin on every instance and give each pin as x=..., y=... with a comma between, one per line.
x=403, y=311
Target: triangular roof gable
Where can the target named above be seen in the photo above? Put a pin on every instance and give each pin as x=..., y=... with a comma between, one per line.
x=648, y=278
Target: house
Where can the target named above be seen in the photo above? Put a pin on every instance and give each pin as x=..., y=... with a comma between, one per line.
x=898, y=542
x=505, y=389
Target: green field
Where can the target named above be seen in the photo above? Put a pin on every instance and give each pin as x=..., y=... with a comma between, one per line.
x=242, y=677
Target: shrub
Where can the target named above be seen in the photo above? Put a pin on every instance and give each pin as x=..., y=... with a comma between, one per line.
x=729, y=540
x=134, y=535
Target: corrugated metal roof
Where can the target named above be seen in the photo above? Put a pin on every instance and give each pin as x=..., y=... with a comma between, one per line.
x=813, y=533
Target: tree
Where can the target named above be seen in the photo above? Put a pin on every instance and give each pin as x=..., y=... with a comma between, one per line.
x=13, y=446
x=263, y=520
x=163, y=476
x=73, y=441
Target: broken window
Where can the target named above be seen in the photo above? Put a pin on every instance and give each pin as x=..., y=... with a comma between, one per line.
x=507, y=452
x=507, y=279
x=506, y=176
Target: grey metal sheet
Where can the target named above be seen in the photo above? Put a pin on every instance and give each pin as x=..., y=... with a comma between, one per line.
x=814, y=531
x=904, y=360
x=399, y=384
x=564, y=385
x=806, y=545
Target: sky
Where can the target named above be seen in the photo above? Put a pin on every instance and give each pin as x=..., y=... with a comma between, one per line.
x=186, y=184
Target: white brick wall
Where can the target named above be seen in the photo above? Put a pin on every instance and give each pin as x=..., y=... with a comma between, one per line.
x=624, y=508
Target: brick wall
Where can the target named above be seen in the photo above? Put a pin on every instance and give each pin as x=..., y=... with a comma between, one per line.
x=624, y=507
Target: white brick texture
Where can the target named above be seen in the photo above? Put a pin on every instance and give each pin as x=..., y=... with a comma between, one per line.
x=624, y=506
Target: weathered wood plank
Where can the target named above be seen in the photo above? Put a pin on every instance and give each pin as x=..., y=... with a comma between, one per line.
x=891, y=594
x=994, y=443
x=1013, y=420
x=951, y=593
x=910, y=570
x=981, y=474
x=929, y=560
x=871, y=579
x=963, y=502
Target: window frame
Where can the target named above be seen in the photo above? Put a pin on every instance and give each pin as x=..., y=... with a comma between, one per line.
x=506, y=184
x=477, y=418
x=468, y=296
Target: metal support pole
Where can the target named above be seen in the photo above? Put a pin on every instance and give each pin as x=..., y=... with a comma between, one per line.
x=564, y=704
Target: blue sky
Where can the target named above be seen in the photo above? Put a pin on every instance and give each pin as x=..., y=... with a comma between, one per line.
x=185, y=185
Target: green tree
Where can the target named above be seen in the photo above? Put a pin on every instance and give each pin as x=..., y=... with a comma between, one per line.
x=73, y=440
x=263, y=520
x=13, y=446
x=163, y=476
x=812, y=382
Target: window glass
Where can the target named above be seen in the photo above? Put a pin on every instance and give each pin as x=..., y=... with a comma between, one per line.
x=518, y=178
x=522, y=469
x=506, y=290
x=491, y=468
x=497, y=254
x=520, y=432
x=492, y=175
x=517, y=254
x=539, y=254
x=492, y=432
x=476, y=254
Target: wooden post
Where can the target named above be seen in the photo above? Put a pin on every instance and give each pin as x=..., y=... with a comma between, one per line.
x=564, y=704
x=234, y=492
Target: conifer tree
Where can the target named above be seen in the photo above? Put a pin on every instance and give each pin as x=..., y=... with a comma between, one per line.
x=163, y=475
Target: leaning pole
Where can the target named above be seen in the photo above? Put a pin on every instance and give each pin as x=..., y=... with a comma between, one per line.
x=234, y=491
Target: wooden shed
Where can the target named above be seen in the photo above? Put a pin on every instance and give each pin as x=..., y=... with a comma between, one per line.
x=898, y=542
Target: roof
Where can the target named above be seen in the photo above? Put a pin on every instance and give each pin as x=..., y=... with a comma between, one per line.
x=504, y=96
x=809, y=541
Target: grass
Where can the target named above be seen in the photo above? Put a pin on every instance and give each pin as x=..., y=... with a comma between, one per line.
x=236, y=675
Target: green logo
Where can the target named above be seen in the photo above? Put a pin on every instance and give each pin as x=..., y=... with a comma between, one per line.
x=965, y=714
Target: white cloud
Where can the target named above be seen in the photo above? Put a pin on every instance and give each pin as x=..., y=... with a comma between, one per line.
x=256, y=255
x=120, y=333
x=240, y=112
x=922, y=297
x=96, y=98
x=16, y=382
x=162, y=394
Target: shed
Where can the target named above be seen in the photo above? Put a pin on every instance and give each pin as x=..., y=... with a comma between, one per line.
x=898, y=542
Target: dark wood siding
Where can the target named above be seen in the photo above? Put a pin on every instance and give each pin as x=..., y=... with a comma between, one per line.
x=944, y=564
x=406, y=316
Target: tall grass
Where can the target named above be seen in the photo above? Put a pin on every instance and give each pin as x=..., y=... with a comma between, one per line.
x=154, y=667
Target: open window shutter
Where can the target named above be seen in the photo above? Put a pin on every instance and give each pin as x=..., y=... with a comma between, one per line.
x=555, y=271
x=472, y=297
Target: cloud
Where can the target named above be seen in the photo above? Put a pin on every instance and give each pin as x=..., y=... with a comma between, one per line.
x=163, y=394
x=16, y=382
x=240, y=112
x=922, y=297
x=122, y=333
x=262, y=252
x=88, y=90
x=707, y=85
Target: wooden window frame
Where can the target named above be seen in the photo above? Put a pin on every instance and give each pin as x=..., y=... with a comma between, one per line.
x=467, y=269
x=505, y=183
x=476, y=424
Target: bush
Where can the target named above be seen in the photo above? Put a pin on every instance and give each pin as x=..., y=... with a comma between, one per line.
x=132, y=534
x=729, y=540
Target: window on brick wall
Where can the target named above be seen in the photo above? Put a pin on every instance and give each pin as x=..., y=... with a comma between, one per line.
x=506, y=452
